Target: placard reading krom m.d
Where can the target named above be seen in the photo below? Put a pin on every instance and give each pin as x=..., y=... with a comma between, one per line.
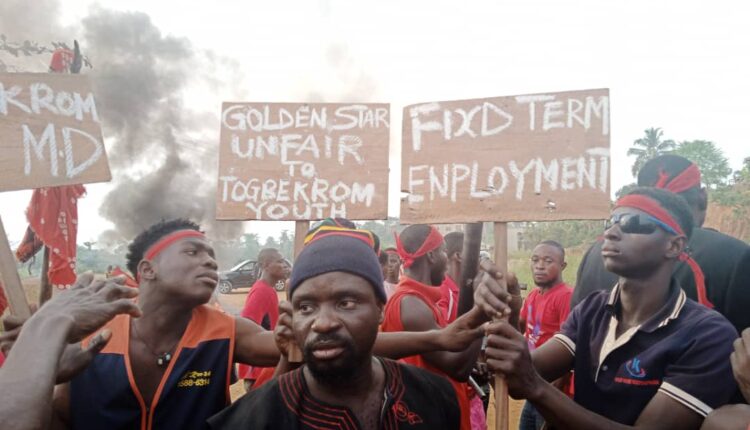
x=299, y=161
x=50, y=132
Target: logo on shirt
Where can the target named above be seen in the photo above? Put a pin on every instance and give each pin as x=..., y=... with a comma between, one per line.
x=634, y=369
x=193, y=378
x=404, y=414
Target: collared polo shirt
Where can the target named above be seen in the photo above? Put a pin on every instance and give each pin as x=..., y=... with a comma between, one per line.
x=681, y=351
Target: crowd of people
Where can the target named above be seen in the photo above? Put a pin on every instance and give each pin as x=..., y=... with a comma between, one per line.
x=648, y=338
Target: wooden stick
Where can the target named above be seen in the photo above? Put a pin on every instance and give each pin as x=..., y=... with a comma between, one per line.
x=45, y=287
x=19, y=306
x=300, y=231
x=501, y=388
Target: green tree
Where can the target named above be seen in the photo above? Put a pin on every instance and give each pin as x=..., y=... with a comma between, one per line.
x=250, y=247
x=715, y=170
x=648, y=147
x=286, y=244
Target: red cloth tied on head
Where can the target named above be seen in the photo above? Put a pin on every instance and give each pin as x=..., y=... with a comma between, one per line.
x=169, y=239
x=434, y=239
x=685, y=180
x=655, y=209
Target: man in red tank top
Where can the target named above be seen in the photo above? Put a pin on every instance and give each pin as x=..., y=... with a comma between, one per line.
x=423, y=253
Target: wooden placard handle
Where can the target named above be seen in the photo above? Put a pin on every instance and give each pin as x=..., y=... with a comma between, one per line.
x=500, y=232
x=19, y=306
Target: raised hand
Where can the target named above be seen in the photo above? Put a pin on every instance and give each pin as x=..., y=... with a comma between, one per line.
x=508, y=355
x=461, y=333
x=740, y=359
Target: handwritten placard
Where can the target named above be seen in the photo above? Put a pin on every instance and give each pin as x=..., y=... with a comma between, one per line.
x=537, y=157
x=300, y=161
x=50, y=132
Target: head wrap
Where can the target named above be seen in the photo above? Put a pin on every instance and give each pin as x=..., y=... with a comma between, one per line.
x=683, y=181
x=655, y=209
x=338, y=249
x=433, y=240
x=163, y=243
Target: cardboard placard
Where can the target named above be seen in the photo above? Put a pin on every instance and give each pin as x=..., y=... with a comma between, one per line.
x=539, y=157
x=303, y=161
x=50, y=132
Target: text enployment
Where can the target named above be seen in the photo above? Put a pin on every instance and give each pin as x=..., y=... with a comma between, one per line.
x=519, y=158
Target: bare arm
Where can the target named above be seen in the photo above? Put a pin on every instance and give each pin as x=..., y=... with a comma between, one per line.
x=457, y=336
x=253, y=345
x=420, y=319
x=29, y=405
x=508, y=354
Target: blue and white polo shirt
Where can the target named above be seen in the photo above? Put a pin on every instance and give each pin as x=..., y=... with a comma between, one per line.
x=682, y=351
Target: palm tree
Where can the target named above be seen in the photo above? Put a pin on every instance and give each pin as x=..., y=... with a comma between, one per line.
x=649, y=147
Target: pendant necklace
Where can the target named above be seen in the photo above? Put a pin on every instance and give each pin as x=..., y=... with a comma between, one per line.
x=161, y=359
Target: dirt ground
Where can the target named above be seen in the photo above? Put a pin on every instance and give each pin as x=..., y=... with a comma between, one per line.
x=233, y=303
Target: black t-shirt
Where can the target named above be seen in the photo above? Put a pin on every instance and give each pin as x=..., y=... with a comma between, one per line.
x=414, y=399
x=724, y=260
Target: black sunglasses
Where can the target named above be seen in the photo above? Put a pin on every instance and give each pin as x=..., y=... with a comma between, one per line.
x=637, y=224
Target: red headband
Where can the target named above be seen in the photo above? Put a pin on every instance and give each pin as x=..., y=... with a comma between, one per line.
x=685, y=180
x=651, y=207
x=655, y=209
x=433, y=240
x=169, y=239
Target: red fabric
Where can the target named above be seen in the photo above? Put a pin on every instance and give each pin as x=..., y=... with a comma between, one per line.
x=61, y=60
x=545, y=313
x=169, y=239
x=261, y=300
x=2, y=359
x=685, y=180
x=129, y=280
x=432, y=241
x=392, y=323
x=265, y=375
x=53, y=216
x=448, y=303
x=653, y=208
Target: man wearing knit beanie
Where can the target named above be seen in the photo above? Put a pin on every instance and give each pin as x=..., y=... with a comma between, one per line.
x=723, y=260
x=337, y=296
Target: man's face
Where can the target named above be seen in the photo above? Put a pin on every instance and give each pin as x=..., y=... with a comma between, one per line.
x=438, y=265
x=393, y=267
x=187, y=269
x=276, y=266
x=336, y=318
x=633, y=255
x=546, y=265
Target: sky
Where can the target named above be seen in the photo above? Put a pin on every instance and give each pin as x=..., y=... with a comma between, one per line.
x=679, y=66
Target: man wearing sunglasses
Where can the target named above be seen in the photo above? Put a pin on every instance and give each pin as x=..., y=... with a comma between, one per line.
x=722, y=274
x=644, y=355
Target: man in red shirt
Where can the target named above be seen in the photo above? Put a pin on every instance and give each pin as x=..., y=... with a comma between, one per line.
x=423, y=253
x=262, y=303
x=545, y=310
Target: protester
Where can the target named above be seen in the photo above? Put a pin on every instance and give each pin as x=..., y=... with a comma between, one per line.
x=643, y=353
x=392, y=271
x=544, y=311
x=722, y=274
x=171, y=367
x=262, y=302
x=337, y=295
x=28, y=376
x=423, y=253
